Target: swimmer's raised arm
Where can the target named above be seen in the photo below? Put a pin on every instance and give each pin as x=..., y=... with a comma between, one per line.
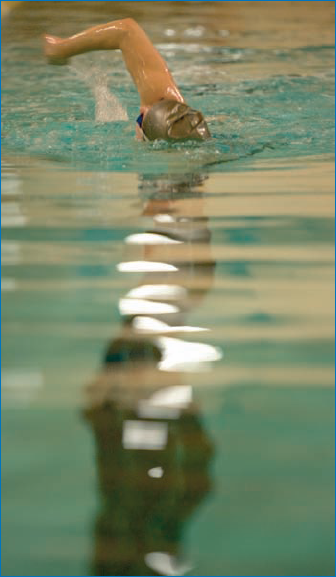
x=147, y=67
x=163, y=111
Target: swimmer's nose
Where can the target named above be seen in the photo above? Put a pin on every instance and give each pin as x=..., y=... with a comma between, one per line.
x=196, y=119
x=202, y=130
x=199, y=126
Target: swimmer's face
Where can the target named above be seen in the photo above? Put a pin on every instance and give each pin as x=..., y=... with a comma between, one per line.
x=171, y=120
x=191, y=126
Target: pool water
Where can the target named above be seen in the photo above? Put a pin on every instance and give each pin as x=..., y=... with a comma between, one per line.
x=167, y=310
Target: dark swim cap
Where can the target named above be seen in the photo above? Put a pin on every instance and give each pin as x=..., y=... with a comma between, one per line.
x=172, y=120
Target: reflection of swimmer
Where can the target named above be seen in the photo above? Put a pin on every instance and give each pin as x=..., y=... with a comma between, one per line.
x=177, y=235
x=163, y=111
x=153, y=458
x=153, y=453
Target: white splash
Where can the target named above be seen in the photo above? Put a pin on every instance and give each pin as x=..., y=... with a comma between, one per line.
x=107, y=106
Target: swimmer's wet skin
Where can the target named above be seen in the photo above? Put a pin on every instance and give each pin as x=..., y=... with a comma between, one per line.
x=164, y=115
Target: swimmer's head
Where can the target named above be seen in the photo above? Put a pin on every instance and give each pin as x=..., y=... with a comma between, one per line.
x=172, y=120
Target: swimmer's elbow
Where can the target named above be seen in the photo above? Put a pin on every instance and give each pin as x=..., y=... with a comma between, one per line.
x=130, y=24
x=132, y=34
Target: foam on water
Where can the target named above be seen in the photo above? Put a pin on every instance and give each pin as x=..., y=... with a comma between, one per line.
x=107, y=106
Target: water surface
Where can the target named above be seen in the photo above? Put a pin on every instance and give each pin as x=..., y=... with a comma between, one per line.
x=167, y=311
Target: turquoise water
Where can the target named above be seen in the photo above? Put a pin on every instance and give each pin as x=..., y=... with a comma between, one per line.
x=167, y=311
x=278, y=116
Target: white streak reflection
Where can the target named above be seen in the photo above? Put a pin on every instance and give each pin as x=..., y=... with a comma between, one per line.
x=150, y=238
x=166, y=403
x=185, y=356
x=145, y=435
x=142, y=306
x=158, y=291
x=149, y=325
x=145, y=266
x=178, y=396
x=166, y=564
x=163, y=218
x=156, y=472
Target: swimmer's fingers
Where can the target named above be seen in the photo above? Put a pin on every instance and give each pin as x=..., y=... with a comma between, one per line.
x=52, y=49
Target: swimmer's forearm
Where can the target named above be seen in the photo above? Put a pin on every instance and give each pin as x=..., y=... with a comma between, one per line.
x=146, y=66
x=103, y=37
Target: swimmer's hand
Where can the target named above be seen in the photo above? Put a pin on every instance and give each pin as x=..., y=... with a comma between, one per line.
x=52, y=48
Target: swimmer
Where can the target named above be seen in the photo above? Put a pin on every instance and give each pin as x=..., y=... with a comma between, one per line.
x=164, y=113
